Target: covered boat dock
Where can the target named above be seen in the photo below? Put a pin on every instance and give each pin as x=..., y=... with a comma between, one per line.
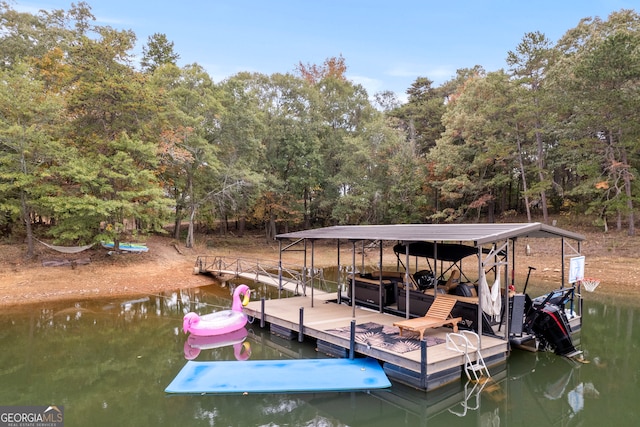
x=435, y=361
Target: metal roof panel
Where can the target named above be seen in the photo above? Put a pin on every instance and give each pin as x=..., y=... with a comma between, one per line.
x=479, y=234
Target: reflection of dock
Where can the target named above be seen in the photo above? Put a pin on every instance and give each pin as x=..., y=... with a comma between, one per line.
x=437, y=366
x=387, y=406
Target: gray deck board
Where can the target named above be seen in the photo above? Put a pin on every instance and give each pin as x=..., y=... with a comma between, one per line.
x=326, y=315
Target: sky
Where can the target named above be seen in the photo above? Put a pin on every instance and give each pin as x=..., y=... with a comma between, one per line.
x=386, y=45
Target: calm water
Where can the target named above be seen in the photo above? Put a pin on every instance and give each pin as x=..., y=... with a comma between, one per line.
x=108, y=363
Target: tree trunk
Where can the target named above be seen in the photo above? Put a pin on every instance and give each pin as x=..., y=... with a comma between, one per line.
x=541, y=177
x=524, y=181
x=307, y=224
x=491, y=209
x=192, y=214
x=176, y=226
x=241, y=225
x=190, y=239
x=626, y=176
x=271, y=227
x=26, y=214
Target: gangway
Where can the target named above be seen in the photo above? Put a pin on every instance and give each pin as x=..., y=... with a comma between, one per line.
x=294, y=279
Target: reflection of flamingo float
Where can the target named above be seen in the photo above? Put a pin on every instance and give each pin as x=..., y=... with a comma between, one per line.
x=220, y=322
x=241, y=348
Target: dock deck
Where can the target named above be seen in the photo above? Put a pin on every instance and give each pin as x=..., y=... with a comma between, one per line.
x=320, y=319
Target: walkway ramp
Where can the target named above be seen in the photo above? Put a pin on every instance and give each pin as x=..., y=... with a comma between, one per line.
x=295, y=279
x=279, y=376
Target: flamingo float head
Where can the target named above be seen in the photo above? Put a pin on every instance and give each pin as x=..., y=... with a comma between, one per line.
x=246, y=295
x=188, y=320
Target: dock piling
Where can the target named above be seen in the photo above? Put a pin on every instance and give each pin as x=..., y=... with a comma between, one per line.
x=352, y=339
x=301, y=326
x=423, y=364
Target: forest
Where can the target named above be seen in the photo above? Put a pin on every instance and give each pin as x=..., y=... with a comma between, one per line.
x=96, y=145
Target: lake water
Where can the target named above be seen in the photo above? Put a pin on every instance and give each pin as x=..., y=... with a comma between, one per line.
x=108, y=363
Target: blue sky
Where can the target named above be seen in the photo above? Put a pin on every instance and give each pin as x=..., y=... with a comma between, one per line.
x=386, y=45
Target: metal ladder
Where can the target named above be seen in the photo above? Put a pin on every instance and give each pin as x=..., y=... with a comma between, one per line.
x=461, y=343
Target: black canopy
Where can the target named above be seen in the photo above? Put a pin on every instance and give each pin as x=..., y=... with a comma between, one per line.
x=445, y=251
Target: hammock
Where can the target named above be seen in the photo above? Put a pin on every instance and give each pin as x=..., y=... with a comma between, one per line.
x=67, y=249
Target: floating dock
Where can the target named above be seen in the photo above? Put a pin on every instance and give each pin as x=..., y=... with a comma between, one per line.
x=279, y=376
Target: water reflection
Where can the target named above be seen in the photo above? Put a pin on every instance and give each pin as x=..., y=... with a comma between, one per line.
x=108, y=362
x=241, y=348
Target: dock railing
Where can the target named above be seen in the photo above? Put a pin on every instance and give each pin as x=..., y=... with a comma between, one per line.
x=264, y=269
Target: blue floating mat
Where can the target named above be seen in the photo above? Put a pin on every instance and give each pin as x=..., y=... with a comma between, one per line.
x=284, y=376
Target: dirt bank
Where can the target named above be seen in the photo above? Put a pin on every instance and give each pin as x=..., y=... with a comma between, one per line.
x=168, y=265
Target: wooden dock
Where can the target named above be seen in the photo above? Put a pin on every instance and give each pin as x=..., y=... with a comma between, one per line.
x=424, y=368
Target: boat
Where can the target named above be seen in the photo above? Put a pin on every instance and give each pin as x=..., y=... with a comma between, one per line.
x=543, y=323
x=547, y=323
x=196, y=343
x=126, y=246
x=220, y=322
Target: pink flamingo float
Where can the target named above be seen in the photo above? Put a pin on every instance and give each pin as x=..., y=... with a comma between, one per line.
x=220, y=322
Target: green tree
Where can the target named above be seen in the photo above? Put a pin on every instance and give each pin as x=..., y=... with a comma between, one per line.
x=158, y=51
x=422, y=114
x=24, y=35
x=108, y=175
x=345, y=114
x=28, y=117
x=530, y=63
x=191, y=168
x=598, y=75
x=474, y=159
x=240, y=137
x=292, y=150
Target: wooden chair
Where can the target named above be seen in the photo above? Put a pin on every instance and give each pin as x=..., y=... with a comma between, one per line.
x=439, y=314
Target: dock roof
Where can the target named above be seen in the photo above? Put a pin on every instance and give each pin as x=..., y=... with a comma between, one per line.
x=479, y=234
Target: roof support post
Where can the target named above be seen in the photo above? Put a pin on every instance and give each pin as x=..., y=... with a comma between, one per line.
x=280, y=268
x=339, y=272
x=562, y=264
x=407, y=281
x=505, y=303
x=480, y=309
x=352, y=290
x=380, y=304
x=435, y=269
x=313, y=242
x=304, y=270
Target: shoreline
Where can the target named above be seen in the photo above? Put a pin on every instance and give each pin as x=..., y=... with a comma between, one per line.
x=168, y=267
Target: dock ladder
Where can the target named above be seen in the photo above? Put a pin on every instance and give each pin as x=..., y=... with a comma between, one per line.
x=461, y=343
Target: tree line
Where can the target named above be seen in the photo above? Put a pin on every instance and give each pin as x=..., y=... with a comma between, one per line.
x=98, y=147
